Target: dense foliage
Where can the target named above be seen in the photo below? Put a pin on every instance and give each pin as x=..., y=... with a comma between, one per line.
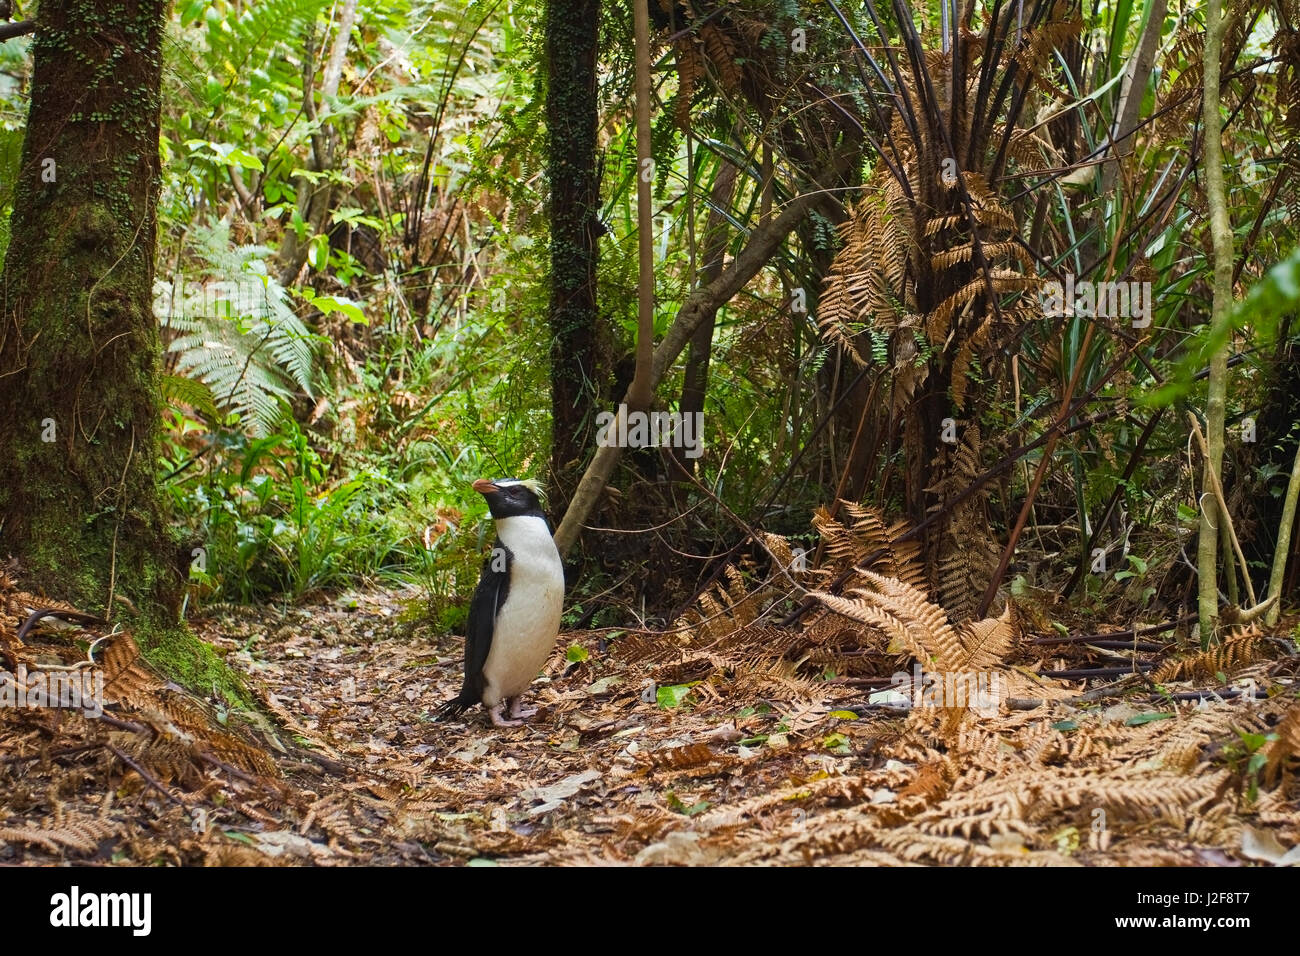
x=353, y=290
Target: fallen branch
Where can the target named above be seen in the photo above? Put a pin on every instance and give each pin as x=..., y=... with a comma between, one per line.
x=1083, y=673
x=1117, y=635
x=1033, y=703
x=145, y=775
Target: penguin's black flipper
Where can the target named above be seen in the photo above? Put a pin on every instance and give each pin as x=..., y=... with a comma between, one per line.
x=493, y=586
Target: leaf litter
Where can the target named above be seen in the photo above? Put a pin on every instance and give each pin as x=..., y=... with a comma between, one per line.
x=757, y=764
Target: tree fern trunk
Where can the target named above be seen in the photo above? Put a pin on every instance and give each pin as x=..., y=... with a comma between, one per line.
x=577, y=373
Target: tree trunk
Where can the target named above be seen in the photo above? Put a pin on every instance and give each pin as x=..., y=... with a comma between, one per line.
x=316, y=200
x=577, y=375
x=1137, y=73
x=80, y=507
x=1283, y=542
x=1221, y=235
x=695, y=378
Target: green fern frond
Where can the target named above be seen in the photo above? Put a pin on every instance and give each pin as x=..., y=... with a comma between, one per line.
x=182, y=390
x=235, y=334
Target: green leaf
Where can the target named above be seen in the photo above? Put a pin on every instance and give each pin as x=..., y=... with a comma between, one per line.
x=355, y=216
x=844, y=714
x=193, y=11
x=238, y=335
x=244, y=159
x=677, y=806
x=576, y=654
x=318, y=252
x=188, y=391
x=335, y=303
x=1065, y=725
x=1271, y=297
x=673, y=695
x=1253, y=741
x=1138, y=720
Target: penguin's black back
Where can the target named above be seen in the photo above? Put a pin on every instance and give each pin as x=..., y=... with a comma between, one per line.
x=489, y=596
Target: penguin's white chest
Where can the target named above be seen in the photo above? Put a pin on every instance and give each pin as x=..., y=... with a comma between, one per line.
x=528, y=622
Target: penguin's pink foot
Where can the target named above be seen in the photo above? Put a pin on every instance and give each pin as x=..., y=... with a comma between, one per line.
x=517, y=709
x=498, y=719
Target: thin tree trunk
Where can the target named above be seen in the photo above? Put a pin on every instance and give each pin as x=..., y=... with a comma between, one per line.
x=1221, y=234
x=762, y=244
x=641, y=393
x=695, y=378
x=578, y=374
x=1133, y=89
x=315, y=201
x=1283, y=542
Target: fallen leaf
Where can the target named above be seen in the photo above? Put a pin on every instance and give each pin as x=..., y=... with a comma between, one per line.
x=1263, y=845
x=553, y=796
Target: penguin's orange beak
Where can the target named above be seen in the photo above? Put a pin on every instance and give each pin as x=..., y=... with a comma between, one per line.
x=484, y=486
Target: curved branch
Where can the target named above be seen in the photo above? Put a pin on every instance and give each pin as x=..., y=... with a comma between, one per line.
x=9, y=31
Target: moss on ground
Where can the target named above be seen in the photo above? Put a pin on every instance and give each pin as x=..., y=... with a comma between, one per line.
x=183, y=657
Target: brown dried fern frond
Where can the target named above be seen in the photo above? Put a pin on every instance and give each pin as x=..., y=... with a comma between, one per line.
x=990, y=642
x=79, y=833
x=721, y=50
x=690, y=67
x=688, y=757
x=1035, y=54
x=903, y=613
x=1235, y=651
x=966, y=551
x=737, y=602
x=864, y=533
x=128, y=678
x=939, y=322
x=963, y=253
x=870, y=282
x=1286, y=747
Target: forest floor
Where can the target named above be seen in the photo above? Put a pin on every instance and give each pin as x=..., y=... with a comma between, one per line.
x=617, y=769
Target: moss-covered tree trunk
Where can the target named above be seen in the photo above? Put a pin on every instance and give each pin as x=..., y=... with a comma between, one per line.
x=578, y=377
x=80, y=506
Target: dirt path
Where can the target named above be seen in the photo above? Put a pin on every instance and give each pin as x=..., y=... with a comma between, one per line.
x=723, y=752
x=615, y=769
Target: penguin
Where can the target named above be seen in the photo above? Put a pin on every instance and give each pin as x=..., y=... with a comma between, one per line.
x=514, y=617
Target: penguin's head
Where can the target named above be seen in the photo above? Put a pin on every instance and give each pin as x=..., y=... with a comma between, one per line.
x=511, y=497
